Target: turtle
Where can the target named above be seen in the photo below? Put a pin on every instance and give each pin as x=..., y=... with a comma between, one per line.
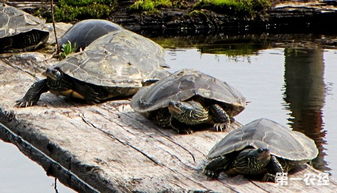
x=86, y=31
x=115, y=65
x=260, y=150
x=189, y=100
x=20, y=31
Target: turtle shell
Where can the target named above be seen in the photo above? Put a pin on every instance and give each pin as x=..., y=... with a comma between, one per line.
x=118, y=59
x=84, y=32
x=183, y=85
x=20, y=30
x=264, y=133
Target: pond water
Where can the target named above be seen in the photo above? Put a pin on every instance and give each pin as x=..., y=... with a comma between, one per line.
x=20, y=174
x=293, y=86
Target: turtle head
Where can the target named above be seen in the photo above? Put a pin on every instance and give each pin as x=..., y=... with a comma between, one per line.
x=54, y=74
x=252, y=161
x=260, y=154
x=57, y=79
x=189, y=112
x=177, y=107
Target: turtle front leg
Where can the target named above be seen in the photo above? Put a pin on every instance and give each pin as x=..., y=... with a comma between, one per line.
x=215, y=167
x=33, y=94
x=179, y=127
x=274, y=167
x=220, y=117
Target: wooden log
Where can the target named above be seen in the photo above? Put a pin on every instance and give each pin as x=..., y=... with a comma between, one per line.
x=113, y=149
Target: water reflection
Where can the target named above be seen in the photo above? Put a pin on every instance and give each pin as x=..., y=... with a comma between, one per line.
x=230, y=45
x=304, y=95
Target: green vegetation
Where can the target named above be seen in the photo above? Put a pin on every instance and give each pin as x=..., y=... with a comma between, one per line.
x=150, y=5
x=246, y=8
x=71, y=10
x=236, y=7
x=67, y=49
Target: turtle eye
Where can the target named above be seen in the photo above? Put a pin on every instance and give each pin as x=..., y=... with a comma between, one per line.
x=260, y=150
x=57, y=74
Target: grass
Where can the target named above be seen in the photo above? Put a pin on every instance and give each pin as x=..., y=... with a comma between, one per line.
x=150, y=5
x=74, y=10
x=236, y=7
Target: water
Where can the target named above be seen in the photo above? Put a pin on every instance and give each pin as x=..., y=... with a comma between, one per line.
x=295, y=87
x=20, y=174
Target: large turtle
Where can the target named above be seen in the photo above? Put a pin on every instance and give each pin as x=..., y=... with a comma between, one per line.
x=114, y=65
x=84, y=32
x=260, y=149
x=188, y=99
x=20, y=31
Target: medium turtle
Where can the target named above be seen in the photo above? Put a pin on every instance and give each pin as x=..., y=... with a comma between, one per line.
x=114, y=65
x=261, y=149
x=84, y=32
x=20, y=31
x=188, y=99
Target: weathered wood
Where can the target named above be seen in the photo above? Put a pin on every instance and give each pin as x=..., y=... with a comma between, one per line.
x=114, y=149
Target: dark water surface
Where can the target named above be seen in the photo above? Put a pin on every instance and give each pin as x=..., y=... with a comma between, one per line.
x=293, y=86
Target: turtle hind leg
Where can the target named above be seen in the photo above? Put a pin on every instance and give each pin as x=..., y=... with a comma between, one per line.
x=91, y=94
x=220, y=117
x=215, y=167
x=33, y=94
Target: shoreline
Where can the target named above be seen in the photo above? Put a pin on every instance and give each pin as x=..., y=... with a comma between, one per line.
x=284, y=17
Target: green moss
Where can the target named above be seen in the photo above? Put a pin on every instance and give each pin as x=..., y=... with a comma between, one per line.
x=150, y=5
x=196, y=13
x=85, y=2
x=236, y=7
x=72, y=10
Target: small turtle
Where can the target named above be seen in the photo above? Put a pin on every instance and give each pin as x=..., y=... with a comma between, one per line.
x=189, y=98
x=20, y=31
x=260, y=149
x=114, y=65
x=84, y=32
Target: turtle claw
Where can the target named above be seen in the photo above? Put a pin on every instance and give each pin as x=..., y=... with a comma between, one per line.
x=94, y=102
x=184, y=131
x=221, y=126
x=187, y=131
x=24, y=103
x=211, y=173
x=268, y=177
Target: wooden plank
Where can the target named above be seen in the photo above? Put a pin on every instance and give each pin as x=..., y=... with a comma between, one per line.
x=114, y=149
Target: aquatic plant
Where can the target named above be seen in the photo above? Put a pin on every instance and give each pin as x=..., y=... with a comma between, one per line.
x=67, y=49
